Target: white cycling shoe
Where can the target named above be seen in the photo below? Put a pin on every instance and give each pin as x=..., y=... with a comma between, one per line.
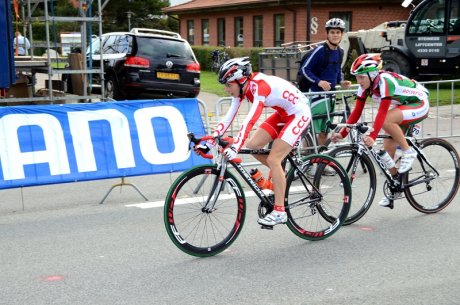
x=407, y=159
x=274, y=218
x=385, y=202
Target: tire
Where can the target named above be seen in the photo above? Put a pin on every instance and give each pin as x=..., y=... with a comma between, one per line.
x=363, y=180
x=438, y=192
x=396, y=62
x=112, y=89
x=309, y=200
x=215, y=66
x=195, y=231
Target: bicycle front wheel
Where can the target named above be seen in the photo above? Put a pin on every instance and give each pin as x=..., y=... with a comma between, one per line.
x=428, y=192
x=317, y=207
x=362, y=178
x=194, y=227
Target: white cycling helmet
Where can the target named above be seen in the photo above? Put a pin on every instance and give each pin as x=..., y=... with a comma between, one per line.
x=235, y=69
x=335, y=23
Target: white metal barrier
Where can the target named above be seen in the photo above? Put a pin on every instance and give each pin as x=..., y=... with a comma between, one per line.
x=440, y=122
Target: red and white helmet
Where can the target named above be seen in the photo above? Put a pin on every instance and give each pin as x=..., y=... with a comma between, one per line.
x=366, y=63
x=235, y=69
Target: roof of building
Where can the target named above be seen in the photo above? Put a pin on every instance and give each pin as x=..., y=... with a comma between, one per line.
x=208, y=4
x=194, y=6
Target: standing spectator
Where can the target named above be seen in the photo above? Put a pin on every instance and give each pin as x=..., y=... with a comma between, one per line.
x=322, y=68
x=21, y=44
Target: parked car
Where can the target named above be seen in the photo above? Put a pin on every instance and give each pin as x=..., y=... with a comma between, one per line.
x=145, y=61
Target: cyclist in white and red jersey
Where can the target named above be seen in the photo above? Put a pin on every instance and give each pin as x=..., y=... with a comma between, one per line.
x=283, y=127
x=403, y=102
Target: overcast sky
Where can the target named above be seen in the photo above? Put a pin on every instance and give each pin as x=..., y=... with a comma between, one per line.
x=176, y=2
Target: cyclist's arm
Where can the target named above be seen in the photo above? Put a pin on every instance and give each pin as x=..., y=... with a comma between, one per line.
x=228, y=118
x=355, y=114
x=252, y=117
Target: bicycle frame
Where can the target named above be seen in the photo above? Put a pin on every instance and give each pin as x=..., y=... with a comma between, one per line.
x=395, y=182
x=222, y=165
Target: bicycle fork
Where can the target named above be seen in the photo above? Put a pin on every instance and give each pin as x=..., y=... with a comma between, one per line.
x=217, y=187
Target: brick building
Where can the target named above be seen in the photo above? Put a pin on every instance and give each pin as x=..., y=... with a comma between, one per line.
x=268, y=23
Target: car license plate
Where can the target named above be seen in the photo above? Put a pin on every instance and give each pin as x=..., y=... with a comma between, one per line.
x=163, y=75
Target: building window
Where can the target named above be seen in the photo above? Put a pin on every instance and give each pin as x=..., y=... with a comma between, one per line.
x=454, y=28
x=190, y=32
x=221, y=31
x=238, y=31
x=258, y=31
x=345, y=16
x=279, y=30
x=205, y=31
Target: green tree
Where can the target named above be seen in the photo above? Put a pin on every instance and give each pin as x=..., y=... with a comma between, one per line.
x=142, y=13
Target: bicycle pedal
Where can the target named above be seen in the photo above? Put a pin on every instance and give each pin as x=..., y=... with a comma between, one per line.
x=266, y=227
x=391, y=205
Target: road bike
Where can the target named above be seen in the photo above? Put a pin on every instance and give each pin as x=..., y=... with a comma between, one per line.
x=218, y=57
x=205, y=207
x=429, y=186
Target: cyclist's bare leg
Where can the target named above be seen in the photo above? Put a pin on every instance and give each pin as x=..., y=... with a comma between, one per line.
x=392, y=126
x=259, y=139
x=280, y=150
x=322, y=137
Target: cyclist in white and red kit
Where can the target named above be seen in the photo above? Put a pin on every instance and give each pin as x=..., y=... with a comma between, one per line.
x=291, y=117
x=402, y=102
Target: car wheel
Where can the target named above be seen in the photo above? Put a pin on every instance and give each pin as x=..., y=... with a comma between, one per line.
x=112, y=91
x=396, y=62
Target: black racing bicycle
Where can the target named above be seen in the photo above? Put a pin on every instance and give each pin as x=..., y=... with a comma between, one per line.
x=205, y=207
x=218, y=58
x=429, y=186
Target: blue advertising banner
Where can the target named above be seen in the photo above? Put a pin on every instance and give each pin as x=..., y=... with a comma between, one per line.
x=77, y=142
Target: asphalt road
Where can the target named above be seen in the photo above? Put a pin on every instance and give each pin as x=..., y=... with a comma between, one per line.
x=58, y=245
x=119, y=253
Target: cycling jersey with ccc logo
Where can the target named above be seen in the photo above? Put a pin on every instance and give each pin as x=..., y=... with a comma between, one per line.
x=291, y=118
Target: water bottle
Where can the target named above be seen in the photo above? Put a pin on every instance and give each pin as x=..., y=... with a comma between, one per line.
x=386, y=159
x=261, y=181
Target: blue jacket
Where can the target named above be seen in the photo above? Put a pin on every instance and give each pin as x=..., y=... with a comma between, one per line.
x=314, y=64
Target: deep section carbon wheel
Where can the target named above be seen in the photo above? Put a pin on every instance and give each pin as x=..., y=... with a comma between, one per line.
x=196, y=223
x=318, y=198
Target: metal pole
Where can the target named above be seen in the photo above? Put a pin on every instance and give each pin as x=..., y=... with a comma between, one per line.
x=83, y=31
x=129, y=20
x=101, y=71
x=308, y=21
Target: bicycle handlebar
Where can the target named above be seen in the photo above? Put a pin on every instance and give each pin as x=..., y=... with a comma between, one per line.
x=222, y=142
x=360, y=127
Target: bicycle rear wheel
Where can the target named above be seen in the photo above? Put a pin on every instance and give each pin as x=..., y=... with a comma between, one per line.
x=307, y=144
x=193, y=229
x=430, y=193
x=309, y=199
x=362, y=178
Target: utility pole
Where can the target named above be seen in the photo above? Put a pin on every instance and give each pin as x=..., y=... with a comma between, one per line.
x=129, y=13
x=308, y=21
